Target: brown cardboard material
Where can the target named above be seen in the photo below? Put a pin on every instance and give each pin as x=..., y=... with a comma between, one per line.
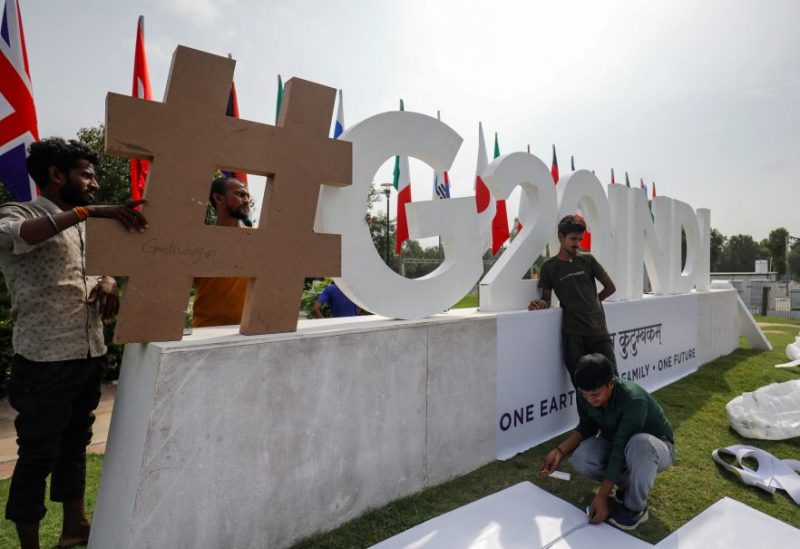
x=187, y=137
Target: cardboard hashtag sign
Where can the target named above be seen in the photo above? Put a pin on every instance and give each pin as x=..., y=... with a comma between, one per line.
x=187, y=137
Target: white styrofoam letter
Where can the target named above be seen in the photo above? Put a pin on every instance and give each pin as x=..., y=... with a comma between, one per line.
x=365, y=277
x=621, y=208
x=582, y=188
x=686, y=220
x=503, y=289
x=703, y=279
x=645, y=246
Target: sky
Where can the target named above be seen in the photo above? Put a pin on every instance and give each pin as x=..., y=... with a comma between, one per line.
x=701, y=97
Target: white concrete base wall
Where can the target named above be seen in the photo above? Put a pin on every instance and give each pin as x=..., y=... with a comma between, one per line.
x=258, y=441
x=223, y=440
x=718, y=324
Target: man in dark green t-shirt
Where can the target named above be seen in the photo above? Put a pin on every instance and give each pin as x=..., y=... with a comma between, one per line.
x=635, y=442
x=571, y=275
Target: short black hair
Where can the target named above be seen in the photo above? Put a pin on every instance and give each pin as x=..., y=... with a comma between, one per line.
x=220, y=186
x=593, y=371
x=54, y=151
x=571, y=224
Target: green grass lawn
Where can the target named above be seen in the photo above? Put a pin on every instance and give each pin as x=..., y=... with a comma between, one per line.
x=468, y=301
x=695, y=405
x=50, y=528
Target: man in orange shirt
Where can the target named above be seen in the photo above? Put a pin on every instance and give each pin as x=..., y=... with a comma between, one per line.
x=219, y=301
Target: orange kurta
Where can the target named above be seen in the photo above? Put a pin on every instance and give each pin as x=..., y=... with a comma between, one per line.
x=218, y=301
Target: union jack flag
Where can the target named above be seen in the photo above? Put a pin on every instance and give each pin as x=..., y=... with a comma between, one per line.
x=18, y=128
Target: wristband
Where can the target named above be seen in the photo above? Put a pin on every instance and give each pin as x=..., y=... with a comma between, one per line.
x=81, y=212
x=560, y=451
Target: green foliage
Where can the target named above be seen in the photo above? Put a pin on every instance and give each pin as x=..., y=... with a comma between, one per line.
x=5, y=195
x=776, y=244
x=113, y=172
x=311, y=294
x=740, y=254
x=794, y=261
x=378, y=231
x=717, y=246
x=6, y=352
x=373, y=196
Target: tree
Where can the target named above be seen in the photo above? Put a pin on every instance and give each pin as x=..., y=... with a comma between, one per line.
x=377, y=229
x=794, y=261
x=740, y=254
x=776, y=244
x=113, y=172
x=717, y=246
x=419, y=261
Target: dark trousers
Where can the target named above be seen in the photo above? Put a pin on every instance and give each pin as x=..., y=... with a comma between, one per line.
x=56, y=403
x=576, y=346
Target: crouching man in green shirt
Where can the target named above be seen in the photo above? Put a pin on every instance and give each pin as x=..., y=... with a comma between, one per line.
x=635, y=442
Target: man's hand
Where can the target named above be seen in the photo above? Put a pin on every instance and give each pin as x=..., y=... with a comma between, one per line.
x=598, y=510
x=537, y=304
x=550, y=463
x=106, y=297
x=127, y=214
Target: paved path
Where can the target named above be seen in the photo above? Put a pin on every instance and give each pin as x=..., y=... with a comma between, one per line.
x=8, y=436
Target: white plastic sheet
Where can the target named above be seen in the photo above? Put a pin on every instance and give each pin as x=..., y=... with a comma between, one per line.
x=527, y=517
x=770, y=413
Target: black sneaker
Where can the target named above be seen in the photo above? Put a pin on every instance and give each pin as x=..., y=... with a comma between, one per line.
x=625, y=519
x=619, y=496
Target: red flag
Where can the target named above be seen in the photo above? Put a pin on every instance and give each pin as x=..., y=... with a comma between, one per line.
x=233, y=111
x=554, y=167
x=18, y=126
x=141, y=90
x=613, y=181
x=500, y=232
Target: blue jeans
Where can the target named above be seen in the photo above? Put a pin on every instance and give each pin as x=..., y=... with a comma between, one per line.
x=645, y=455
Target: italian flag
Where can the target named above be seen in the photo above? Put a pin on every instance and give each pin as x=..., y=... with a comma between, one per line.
x=402, y=182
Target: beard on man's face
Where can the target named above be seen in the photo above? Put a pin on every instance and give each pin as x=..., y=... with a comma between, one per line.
x=242, y=213
x=71, y=194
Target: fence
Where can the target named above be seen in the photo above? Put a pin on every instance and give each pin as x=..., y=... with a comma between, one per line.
x=769, y=298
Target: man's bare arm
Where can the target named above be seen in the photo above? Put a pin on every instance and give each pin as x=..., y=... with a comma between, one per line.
x=608, y=288
x=37, y=230
x=543, y=302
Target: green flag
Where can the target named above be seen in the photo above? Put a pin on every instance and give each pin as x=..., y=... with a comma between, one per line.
x=280, y=98
x=496, y=146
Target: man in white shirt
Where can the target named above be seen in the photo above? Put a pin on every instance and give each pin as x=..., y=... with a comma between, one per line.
x=59, y=352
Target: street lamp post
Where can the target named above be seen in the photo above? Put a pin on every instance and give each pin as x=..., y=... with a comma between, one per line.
x=387, y=189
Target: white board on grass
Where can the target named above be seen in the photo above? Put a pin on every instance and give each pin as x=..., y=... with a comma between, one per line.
x=523, y=516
